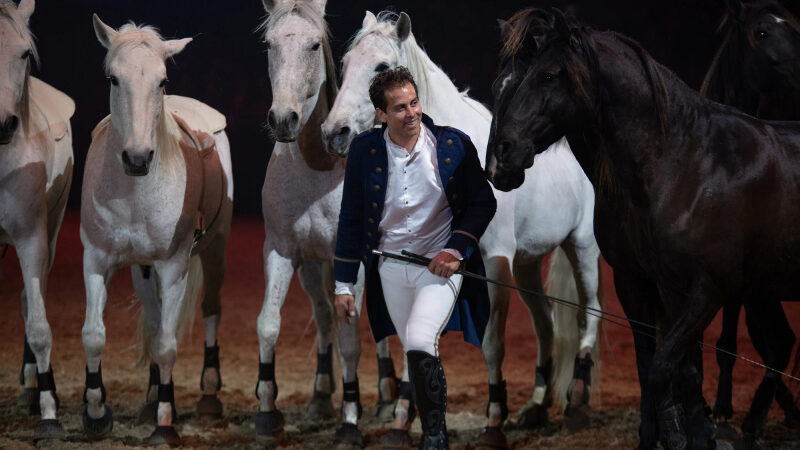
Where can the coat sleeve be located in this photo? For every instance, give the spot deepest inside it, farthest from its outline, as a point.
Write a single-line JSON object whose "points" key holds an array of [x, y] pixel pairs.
{"points": [[481, 204], [348, 235]]}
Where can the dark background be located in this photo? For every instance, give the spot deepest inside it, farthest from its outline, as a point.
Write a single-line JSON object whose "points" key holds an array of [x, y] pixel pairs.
{"points": [[226, 64]]}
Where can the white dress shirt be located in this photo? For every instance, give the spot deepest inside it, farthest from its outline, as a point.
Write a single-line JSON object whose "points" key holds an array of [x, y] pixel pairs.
{"points": [[416, 215]]}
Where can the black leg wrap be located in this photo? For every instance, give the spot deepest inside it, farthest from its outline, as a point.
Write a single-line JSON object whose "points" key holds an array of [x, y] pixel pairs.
{"points": [[583, 369], [155, 376], [351, 393], [325, 366], [166, 393], [27, 358], [211, 360], [543, 374], [497, 394], [266, 372], [386, 368], [430, 387], [46, 382], [94, 380], [406, 392]]}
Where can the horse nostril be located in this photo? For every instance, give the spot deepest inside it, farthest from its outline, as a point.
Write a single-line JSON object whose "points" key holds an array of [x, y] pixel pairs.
{"points": [[293, 118], [125, 158], [13, 121], [271, 119], [150, 156], [344, 131]]}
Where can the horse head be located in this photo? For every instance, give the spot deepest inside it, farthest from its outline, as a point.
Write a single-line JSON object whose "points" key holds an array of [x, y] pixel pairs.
{"points": [[772, 56], [16, 52], [543, 87], [300, 62], [137, 73], [378, 46]]}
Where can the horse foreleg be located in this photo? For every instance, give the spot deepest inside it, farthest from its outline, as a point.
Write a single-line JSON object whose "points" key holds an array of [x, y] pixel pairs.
{"points": [[493, 345], [97, 273], [529, 276], [313, 276], [723, 407], [278, 274], [349, 354], [173, 276], [388, 383], [213, 260]]}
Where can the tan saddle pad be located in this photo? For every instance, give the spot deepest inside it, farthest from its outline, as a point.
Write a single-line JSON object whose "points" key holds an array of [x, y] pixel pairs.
{"points": [[56, 106], [196, 114]]}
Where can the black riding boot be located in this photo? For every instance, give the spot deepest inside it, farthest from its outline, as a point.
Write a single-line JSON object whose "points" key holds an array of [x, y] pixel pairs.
{"points": [[430, 387]]}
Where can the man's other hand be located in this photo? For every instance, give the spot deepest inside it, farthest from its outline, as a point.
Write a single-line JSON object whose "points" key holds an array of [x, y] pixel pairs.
{"points": [[444, 264], [345, 305]]}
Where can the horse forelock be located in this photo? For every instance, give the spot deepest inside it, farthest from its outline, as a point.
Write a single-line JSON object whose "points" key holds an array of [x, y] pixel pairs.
{"points": [[524, 26], [8, 11], [132, 35], [309, 12]]}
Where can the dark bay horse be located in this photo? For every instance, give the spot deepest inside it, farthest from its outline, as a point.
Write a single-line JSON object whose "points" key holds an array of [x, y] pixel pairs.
{"points": [[757, 70], [697, 202]]}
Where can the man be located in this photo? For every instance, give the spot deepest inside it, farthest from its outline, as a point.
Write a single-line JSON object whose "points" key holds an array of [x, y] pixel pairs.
{"points": [[412, 185]]}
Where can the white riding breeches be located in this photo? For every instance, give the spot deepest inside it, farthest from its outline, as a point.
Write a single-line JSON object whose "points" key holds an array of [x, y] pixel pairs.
{"points": [[419, 303]]}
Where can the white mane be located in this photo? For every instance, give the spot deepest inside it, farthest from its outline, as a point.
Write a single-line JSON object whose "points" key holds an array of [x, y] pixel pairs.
{"points": [[422, 68]]}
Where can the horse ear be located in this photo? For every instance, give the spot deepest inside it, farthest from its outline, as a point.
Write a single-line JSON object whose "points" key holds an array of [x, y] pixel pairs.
{"points": [[269, 5], [319, 5], [561, 24], [105, 34], [403, 27], [175, 46], [25, 8], [369, 20], [505, 27]]}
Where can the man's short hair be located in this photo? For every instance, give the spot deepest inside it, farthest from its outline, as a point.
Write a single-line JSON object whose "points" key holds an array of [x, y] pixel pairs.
{"points": [[386, 80]]}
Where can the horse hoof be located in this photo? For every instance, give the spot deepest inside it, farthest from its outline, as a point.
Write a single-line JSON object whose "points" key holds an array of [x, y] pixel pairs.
{"points": [[48, 429], [147, 414], [28, 401], [209, 408], [492, 438], [396, 440], [385, 412], [269, 427], [532, 415], [576, 418], [726, 432], [722, 445], [348, 436], [320, 407], [164, 435], [748, 441], [97, 429]]}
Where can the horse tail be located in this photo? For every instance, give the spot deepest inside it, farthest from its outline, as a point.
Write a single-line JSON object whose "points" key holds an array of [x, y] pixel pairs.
{"points": [[567, 320], [560, 283], [194, 285]]}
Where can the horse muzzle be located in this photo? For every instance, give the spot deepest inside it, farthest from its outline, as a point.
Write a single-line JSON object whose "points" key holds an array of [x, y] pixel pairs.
{"points": [[285, 126], [137, 164], [7, 129], [337, 143]]}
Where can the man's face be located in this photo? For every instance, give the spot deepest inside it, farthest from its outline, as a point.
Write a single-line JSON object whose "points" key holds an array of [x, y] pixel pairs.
{"points": [[403, 112]]}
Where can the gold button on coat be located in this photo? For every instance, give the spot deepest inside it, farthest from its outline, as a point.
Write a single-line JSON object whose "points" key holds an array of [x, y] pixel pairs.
{"points": [[378, 170], [449, 142], [372, 152], [447, 160], [451, 179], [371, 220], [374, 205], [377, 188]]}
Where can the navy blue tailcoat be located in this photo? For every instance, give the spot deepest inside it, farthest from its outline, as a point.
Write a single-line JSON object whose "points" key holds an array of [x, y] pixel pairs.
{"points": [[471, 201]]}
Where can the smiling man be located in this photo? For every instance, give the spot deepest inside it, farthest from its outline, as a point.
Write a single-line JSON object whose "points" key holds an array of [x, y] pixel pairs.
{"points": [[412, 185]]}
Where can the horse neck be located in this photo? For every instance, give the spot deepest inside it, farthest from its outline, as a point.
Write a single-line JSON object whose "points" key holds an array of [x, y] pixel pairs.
{"points": [[782, 104], [726, 81], [309, 140]]}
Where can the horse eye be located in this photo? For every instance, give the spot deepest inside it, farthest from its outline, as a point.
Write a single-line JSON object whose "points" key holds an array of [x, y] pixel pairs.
{"points": [[114, 81], [163, 83], [546, 76], [762, 34], [267, 44], [27, 54], [315, 47], [381, 67]]}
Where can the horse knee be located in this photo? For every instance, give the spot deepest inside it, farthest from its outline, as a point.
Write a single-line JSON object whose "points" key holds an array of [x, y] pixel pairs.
{"points": [[39, 336], [268, 328], [166, 352]]}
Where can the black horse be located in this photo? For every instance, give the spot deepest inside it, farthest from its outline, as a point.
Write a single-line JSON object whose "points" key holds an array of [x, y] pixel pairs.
{"points": [[697, 202], [757, 70]]}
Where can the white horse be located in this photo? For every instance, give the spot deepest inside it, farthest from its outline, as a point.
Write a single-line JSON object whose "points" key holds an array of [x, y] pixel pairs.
{"points": [[35, 177], [519, 236], [157, 195], [301, 199]]}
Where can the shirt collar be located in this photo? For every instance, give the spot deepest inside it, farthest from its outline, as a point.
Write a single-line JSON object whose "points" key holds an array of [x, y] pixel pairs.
{"points": [[398, 151]]}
